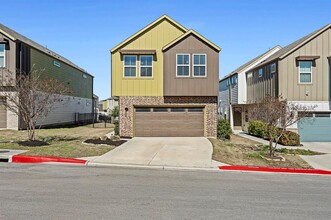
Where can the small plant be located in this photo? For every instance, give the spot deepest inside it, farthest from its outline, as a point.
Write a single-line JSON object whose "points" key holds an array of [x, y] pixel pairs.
{"points": [[223, 129], [116, 129], [257, 128]]}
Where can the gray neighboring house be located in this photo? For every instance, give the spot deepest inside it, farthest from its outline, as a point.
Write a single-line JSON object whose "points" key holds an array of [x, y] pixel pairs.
{"points": [[301, 73], [232, 91]]}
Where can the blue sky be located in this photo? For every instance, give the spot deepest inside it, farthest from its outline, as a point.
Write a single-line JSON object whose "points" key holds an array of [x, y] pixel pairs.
{"points": [[84, 31]]}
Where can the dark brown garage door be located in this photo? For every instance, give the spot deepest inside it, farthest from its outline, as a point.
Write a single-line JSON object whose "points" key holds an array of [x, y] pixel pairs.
{"points": [[169, 122], [3, 114]]}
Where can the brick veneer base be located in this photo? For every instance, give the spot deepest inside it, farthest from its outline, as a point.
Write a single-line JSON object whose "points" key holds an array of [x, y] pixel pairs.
{"points": [[127, 104]]}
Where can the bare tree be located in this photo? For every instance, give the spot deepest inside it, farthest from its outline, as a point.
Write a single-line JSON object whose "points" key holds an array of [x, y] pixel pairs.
{"points": [[278, 114], [31, 97]]}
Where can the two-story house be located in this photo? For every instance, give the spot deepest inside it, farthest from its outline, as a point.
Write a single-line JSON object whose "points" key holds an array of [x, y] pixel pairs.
{"points": [[20, 55], [300, 73], [233, 92], [166, 79]]}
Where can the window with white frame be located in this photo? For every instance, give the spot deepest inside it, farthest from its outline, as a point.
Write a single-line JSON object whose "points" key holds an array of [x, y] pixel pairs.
{"points": [[146, 66], [199, 64], [130, 65], [2, 55], [305, 72], [183, 65]]}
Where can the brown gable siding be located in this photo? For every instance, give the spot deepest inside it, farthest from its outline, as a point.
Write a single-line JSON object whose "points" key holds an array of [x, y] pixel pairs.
{"points": [[259, 87], [191, 86]]}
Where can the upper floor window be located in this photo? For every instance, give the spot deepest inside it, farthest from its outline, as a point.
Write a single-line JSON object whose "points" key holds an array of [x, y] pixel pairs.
{"points": [[130, 66], [183, 65], [305, 72], [260, 72], [199, 64], [146, 66], [2, 55], [273, 68]]}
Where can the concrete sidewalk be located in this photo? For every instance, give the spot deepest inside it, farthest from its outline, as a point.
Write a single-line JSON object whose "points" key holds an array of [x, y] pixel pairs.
{"points": [[194, 152], [322, 162]]}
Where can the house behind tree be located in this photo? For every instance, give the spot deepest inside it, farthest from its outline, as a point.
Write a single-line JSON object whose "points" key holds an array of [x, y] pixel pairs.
{"points": [[20, 55]]}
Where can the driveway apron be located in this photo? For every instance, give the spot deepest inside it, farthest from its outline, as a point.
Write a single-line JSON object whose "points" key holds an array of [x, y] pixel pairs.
{"points": [[161, 151]]}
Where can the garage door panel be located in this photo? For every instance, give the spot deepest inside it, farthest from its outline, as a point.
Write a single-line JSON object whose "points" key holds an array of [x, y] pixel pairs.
{"points": [[317, 129], [169, 124]]}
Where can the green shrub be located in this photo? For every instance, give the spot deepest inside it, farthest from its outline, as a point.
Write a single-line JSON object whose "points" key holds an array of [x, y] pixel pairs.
{"points": [[223, 129], [257, 128], [116, 129], [289, 138]]}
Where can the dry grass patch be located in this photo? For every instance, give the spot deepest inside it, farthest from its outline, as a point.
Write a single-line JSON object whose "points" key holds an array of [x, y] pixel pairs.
{"points": [[244, 152], [63, 142]]}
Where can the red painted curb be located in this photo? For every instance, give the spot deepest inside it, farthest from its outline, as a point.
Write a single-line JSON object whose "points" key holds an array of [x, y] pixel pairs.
{"points": [[41, 159], [275, 170]]}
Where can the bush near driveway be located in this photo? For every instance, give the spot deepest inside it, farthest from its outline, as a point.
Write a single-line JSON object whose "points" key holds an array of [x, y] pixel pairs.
{"points": [[223, 129], [259, 129]]}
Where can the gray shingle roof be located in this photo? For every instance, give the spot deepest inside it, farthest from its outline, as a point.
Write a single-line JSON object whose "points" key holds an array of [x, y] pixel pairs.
{"points": [[37, 46], [240, 68]]}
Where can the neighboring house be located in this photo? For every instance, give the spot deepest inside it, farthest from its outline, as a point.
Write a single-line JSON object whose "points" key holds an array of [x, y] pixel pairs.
{"points": [[107, 105], [166, 79], [300, 72], [20, 55], [95, 104], [232, 91]]}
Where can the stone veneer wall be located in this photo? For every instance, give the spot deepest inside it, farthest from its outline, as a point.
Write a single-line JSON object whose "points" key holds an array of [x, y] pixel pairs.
{"points": [[129, 102]]}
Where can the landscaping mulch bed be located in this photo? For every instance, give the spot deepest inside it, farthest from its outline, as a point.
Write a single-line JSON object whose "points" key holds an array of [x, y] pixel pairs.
{"points": [[35, 143], [107, 142]]}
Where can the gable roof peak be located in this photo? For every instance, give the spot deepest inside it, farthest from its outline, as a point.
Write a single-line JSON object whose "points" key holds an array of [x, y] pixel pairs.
{"points": [[163, 17]]}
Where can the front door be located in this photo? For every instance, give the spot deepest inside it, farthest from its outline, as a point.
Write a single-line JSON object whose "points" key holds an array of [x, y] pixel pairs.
{"points": [[237, 118]]}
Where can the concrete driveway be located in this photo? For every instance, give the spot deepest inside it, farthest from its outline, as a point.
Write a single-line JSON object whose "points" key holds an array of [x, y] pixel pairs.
{"points": [[322, 162], [161, 151]]}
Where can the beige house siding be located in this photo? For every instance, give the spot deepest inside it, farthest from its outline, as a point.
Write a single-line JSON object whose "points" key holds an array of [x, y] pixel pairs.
{"points": [[191, 86], [288, 71], [8, 72], [11, 118]]}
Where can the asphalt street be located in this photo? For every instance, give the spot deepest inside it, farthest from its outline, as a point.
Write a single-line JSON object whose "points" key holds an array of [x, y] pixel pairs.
{"points": [[78, 192]]}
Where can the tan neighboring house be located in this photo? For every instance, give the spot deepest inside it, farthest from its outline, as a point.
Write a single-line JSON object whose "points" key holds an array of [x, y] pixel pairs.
{"points": [[107, 105], [166, 79], [300, 72], [19, 55]]}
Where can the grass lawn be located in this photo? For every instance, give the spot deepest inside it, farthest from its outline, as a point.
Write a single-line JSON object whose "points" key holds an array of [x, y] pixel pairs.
{"points": [[64, 142], [244, 152]]}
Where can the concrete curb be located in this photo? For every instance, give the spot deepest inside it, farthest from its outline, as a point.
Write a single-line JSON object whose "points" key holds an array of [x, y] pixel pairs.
{"points": [[42, 159], [275, 170], [211, 169]]}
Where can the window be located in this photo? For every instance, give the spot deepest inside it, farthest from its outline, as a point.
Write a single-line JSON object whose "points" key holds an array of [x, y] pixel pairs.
{"points": [[199, 65], [249, 75], [146, 66], [2, 55], [160, 109], [143, 110], [260, 72], [195, 109], [234, 80], [130, 66], [273, 68], [177, 109], [305, 72], [183, 65]]}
